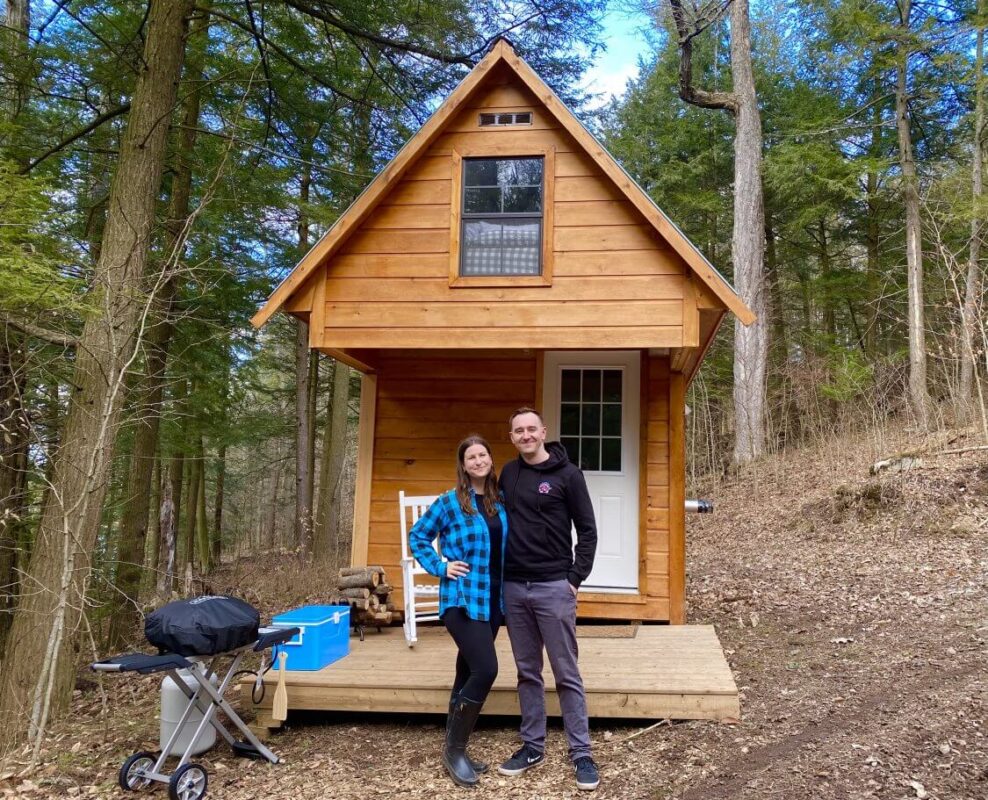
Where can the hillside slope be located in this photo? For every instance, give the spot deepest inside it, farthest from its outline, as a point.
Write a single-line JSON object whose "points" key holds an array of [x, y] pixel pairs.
{"points": [[853, 610]]}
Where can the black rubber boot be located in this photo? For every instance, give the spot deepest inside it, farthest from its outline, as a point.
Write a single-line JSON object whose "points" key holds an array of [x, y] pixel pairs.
{"points": [[462, 719], [479, 767]]}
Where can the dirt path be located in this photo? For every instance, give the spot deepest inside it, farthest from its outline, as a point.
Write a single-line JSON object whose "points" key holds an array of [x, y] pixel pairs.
{"points": [[853, 611]]}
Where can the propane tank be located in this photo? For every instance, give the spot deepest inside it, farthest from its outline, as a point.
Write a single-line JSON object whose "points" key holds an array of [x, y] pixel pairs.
{"points": [[173, 705]]}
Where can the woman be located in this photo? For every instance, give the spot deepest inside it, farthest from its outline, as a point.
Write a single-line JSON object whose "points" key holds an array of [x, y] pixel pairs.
{"points": [[472, 528]]}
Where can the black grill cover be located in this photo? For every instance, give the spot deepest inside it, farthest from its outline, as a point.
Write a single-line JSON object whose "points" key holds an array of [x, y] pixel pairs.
{"points": [[202, 626]]}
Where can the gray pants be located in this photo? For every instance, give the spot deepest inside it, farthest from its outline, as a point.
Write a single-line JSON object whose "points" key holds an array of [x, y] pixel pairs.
{"points": [[540, 614]]}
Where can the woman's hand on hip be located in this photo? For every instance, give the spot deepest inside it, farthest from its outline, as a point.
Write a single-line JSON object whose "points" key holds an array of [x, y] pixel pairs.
{"points": [[456, 569]]}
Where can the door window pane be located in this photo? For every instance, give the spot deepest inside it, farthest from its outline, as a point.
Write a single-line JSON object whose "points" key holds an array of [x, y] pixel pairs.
{"points": [[611, 419], [590, 453], [591, 385], [569, 420], [610, 455], [572, 446], [590, 420], [571, 386], [612, 385], [590, 417]]}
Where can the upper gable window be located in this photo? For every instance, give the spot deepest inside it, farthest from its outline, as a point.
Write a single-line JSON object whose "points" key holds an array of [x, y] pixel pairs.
{"points": [[510, 118], [502, 216]]}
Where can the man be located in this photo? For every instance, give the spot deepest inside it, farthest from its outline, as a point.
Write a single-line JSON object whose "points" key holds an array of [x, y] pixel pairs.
{"points": [[545, 496]]}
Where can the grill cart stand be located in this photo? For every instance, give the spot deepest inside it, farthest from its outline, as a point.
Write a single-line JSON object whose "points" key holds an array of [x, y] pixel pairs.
{"points": [[189, 780]]}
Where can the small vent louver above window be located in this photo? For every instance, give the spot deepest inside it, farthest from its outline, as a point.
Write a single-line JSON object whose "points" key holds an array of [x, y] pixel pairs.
{"points": [[510, 118]]}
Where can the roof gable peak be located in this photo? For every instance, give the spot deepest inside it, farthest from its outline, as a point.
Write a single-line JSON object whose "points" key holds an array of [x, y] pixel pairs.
{"points": [[500, 52]]}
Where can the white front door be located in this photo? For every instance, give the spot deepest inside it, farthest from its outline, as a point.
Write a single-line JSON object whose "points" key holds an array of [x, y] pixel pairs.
{"points": [[591, 404]]}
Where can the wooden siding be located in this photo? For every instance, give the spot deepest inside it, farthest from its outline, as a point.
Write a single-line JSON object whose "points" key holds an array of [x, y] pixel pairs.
{"points": [[427, 401], [615, 283]]}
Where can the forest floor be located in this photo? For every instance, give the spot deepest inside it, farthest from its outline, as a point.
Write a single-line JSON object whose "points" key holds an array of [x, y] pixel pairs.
{"points": [[853, 611]]}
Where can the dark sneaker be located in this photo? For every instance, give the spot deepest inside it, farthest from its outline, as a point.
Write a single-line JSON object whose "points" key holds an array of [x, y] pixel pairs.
{"points": [[587, 777], [522, 761]]}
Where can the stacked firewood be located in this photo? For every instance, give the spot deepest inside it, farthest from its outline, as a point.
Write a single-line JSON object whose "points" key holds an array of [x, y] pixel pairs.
{"points": [[368, 593]]}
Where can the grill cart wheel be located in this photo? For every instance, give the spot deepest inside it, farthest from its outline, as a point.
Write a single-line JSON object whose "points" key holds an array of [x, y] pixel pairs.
{"points": [[133, 770], [188, 782]]}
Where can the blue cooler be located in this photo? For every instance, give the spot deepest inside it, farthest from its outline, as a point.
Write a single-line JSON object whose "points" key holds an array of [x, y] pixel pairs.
{"points": [[324, 636]]}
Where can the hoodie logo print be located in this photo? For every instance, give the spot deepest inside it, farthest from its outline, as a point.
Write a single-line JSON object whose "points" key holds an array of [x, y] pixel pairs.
{"points": [[544, 487]]}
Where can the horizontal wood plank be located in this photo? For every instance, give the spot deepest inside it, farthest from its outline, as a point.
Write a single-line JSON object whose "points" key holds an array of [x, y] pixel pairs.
{"points": [[513, 366], [500, 315], [418, 193], [432, 240], [597, 213], [607, 238], [511, 95], [428, 168], [389, 265], [464, 391], [632, 338], [517, 141], [659, 287], [584, 188], [576, 165], [629, 262], [409, 217], [428, 410]]}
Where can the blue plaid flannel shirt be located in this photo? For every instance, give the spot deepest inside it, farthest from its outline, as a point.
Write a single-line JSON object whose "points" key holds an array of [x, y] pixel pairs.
{"points": [[462, 537]]}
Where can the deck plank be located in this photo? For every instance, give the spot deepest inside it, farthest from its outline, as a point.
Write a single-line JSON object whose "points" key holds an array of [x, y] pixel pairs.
{"points": [[678, 672]]}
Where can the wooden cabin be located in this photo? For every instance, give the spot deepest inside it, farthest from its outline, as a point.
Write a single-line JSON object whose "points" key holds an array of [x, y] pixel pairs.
{"points": [[502, 259]]}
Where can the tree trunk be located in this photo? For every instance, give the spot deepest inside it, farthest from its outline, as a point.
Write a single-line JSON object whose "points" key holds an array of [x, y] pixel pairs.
{"points": [[873, 273], [13, 473], [133, 528], [187, 551], [16, 44], [272, 515], [970, 312], [303, 435], [13, 420], [304, 417], [36, 677], [217, 538], [333, 455], [918, 397], [826, 273], [780, 331], [205, 549], [166, 522], [152, 543], [748, 237], [748, 248]]}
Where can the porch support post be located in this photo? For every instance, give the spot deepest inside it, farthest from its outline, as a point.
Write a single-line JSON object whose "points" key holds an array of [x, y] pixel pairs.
{"points": [[365, 464], [677, 498]]}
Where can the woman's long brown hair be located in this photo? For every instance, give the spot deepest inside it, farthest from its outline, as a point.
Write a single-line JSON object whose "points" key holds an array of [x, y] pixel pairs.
{"points": [[464, 489]]}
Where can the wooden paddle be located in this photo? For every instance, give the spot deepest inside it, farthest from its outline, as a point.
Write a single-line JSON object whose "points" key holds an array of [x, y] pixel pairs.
{"points": [[279, 709]]}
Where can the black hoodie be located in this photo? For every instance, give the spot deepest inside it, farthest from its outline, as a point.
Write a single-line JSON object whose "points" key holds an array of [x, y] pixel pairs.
{"points": [[544, 501]]}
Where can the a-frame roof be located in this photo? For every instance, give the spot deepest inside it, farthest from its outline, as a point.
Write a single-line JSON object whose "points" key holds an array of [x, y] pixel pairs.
{"points": [[501, 52]]}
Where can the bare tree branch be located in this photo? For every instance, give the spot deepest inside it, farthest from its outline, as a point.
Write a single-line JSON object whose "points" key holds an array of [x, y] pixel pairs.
{"points": [[334, 21], [689, 30], [84, 131], [61, 339]]}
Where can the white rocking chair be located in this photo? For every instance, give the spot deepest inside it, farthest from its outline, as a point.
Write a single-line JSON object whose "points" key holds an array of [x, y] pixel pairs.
{"points": [[421, 597]]}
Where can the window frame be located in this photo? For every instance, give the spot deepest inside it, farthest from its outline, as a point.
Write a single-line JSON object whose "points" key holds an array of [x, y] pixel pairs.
{"points": [[548, 156]]}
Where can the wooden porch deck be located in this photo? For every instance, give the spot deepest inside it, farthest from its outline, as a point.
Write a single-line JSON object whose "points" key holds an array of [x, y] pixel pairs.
{"points": [[648, 672]]}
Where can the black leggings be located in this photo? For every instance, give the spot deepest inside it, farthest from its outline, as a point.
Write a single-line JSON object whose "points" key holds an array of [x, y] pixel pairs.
{"points": [[476, 661]]}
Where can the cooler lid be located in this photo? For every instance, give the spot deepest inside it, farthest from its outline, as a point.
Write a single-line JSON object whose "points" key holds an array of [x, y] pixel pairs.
{"points": [[310, 615]]}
